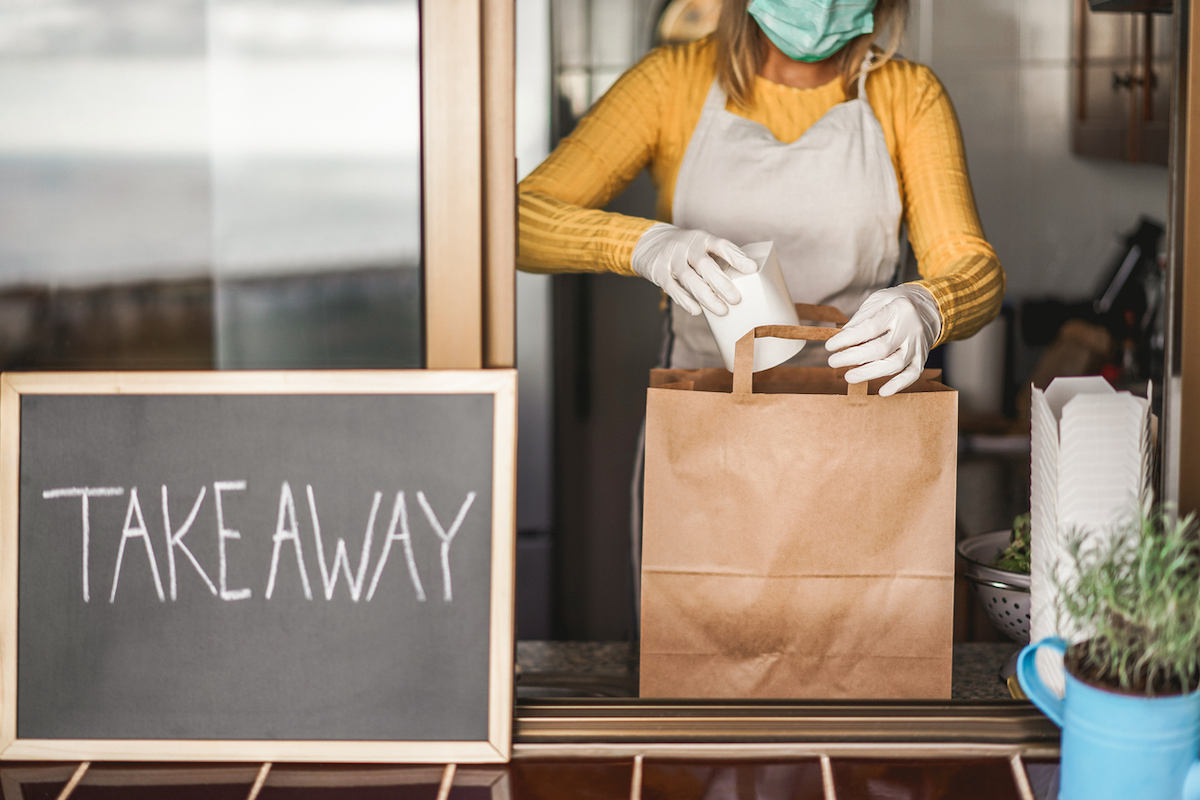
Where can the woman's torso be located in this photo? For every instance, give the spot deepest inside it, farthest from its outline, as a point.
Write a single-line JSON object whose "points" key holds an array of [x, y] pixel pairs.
{"points": [[787, 112], [829, 200]]}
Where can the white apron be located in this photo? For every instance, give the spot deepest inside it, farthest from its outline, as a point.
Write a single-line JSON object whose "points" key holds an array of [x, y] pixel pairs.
{"points": [[829, 201]]}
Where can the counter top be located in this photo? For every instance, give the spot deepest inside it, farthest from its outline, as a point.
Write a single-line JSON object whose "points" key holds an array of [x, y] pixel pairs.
{"points": [[609, 669]]}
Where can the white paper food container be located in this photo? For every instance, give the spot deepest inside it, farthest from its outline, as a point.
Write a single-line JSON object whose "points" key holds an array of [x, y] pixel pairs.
{"points": [[765, 301], [1091, 468]]}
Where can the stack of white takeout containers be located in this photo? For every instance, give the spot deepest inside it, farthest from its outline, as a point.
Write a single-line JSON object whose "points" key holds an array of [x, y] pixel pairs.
{"points": [[1091, 471]]}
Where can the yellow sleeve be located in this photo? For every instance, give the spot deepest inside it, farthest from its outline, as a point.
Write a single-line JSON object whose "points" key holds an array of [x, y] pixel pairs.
{"points": [[959, 268], [560, 226]]}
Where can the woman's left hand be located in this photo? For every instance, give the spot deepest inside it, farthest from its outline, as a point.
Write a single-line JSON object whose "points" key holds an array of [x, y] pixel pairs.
{"points": [[890, 334]]}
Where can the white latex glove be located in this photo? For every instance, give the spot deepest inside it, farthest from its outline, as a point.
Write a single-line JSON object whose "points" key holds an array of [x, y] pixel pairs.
{"points": [[681, 263], [890, 334]]}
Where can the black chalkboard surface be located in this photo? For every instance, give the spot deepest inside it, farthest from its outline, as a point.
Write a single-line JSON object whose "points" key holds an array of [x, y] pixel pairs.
{"points": [[257, 565]]}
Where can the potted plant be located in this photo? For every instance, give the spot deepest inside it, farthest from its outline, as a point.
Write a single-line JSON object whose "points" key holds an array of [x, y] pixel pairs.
{"points": [[1131, 712]]}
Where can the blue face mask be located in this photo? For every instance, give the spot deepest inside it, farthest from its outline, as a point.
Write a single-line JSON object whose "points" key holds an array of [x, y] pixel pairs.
{"points": [[812, 30]]}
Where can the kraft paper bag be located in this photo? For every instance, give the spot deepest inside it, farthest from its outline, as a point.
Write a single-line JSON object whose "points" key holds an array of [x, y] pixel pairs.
{"points": [[798, 538]]}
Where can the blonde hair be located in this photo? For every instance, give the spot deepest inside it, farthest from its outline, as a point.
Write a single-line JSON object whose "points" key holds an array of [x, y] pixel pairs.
{"points": [[740, 48]]}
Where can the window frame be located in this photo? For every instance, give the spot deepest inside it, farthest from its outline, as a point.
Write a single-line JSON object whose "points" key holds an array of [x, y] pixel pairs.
{"points": [[469, 182]]}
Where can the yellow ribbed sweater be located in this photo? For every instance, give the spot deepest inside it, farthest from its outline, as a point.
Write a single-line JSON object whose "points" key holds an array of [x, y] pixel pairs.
{"points": [[646, 120]]}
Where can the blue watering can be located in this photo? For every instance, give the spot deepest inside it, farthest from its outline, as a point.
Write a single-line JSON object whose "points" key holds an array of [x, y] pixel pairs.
{"points": [[1118, 746]]}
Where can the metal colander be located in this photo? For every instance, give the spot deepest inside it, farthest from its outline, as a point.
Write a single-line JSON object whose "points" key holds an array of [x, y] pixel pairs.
{"points": [[1004, 594]]}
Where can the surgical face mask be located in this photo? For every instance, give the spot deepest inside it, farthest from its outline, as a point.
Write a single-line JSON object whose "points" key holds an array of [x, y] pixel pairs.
{"points": [[812, 30]]}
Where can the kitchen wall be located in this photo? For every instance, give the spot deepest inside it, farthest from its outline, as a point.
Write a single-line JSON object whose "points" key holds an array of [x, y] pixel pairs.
{"points": [[1054, 219]]}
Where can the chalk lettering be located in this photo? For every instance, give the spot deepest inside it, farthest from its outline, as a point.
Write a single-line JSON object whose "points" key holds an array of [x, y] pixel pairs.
{"points": [[287, 506], [446, 538], [340, 556], [223, 535], [175, 540], [84, 493], [399, 514], [140, 532]]}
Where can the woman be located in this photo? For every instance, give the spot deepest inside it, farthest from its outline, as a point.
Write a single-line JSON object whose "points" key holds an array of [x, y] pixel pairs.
{"points": [[785, 125]]}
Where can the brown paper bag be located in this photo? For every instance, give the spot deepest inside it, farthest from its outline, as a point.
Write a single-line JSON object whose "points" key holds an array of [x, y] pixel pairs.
{"points": [[798, 540]]}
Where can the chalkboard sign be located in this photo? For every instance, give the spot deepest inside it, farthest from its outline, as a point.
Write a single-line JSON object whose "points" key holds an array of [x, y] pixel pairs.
{"points": [[257, 566]]}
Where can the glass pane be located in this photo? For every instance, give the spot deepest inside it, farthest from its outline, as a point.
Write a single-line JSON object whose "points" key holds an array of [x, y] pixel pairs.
{"points": [[190, 184], [316, 182], [104, 185]]}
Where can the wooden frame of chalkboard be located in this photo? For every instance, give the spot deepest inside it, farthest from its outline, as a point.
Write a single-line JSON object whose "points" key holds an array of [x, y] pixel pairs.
{"points": [[498, 566]]}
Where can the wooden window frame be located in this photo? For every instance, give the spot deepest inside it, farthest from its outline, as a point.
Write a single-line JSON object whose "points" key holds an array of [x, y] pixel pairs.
{"points": [[468, 76], [1181, 400]]}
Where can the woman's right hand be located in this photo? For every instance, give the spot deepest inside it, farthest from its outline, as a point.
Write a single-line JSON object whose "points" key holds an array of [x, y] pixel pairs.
{"points": [[681, 263]]}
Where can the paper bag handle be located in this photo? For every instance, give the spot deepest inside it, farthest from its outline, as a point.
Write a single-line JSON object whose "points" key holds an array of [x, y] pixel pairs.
{"points": [[821, 314], [743, 357]]}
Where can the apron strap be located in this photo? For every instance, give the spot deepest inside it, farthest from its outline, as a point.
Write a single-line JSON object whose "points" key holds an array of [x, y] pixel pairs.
{"points": [[716, 99]]}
